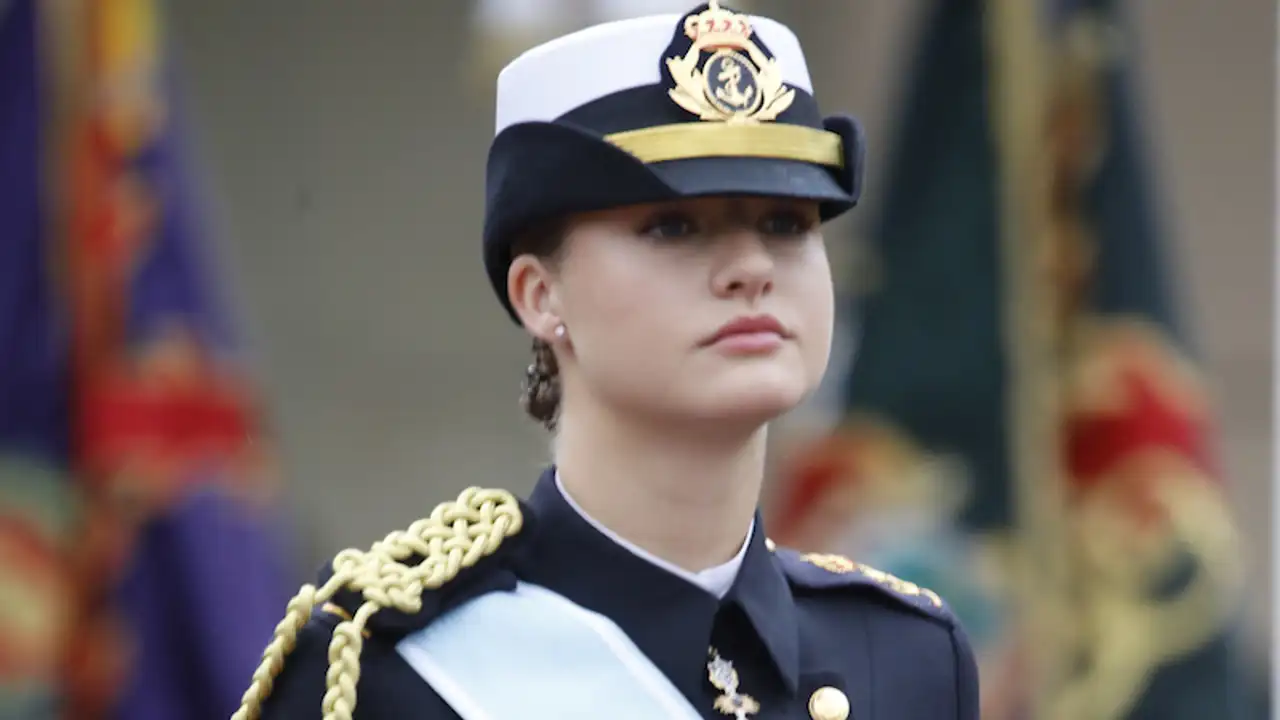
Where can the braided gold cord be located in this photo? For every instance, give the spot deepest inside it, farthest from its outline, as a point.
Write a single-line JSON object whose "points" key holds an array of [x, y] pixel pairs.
{"points": [[455, 537], [344, 664]]}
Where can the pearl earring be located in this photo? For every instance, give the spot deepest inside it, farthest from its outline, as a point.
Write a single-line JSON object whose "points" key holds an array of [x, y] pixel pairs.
{"points": [[560, 330]]}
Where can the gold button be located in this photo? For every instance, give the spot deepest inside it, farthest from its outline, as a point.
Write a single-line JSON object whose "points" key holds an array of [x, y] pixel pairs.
{"points": [[828, 703]]}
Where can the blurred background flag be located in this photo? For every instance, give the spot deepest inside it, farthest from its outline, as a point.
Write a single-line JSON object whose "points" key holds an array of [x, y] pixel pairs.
{"points": [[1025, 429], [37, 503], [142, 568]]}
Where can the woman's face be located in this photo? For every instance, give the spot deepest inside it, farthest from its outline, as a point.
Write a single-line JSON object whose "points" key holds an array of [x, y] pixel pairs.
{"points": [[650, 294]]}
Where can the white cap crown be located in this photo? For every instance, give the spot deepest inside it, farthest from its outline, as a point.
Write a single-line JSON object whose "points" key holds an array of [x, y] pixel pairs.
{"points": [[612, 57]]}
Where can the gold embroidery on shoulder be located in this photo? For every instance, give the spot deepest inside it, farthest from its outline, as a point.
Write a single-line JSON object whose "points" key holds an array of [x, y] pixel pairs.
{"points": [[838, 564], [842, 565]]}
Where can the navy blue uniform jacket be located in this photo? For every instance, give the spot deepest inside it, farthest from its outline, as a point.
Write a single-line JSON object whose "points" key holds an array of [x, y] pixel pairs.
{"points": [[790, 624]]}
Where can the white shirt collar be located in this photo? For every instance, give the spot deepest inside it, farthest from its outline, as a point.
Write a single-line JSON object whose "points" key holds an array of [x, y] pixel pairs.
{"points": [[715, 580]]}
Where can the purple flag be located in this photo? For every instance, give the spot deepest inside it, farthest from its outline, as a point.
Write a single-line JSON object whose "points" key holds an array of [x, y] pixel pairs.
{"points": [[140, 543]]}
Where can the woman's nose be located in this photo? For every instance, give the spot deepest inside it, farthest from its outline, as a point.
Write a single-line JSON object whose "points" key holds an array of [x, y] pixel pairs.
{"points": [[747, 269]]}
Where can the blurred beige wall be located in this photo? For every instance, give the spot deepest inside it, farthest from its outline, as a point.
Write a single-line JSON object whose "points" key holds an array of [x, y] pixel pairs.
{"points": [[346, 156]]}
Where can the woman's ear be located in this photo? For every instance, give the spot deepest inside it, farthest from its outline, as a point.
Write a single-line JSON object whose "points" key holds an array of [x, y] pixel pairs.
{"points": [[531, 288]]}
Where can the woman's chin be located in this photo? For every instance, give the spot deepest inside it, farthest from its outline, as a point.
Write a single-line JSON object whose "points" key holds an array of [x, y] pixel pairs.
{"points": [[751, 402]]}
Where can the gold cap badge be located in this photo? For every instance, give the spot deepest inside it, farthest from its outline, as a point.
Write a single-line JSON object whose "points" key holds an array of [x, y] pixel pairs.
{"points": [[738, 83], [828, 703], [721, 72]]}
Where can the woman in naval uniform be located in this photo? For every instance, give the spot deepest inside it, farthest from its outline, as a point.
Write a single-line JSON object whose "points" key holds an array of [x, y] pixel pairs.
{"points": [[655, 194]]}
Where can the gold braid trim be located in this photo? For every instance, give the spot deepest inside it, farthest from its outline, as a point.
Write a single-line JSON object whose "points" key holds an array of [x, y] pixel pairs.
{"points": [[456, 536], [842, 565]]}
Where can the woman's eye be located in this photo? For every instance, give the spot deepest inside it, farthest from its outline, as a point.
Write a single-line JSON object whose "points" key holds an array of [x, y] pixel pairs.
{"points": [[786, 223], [670, 227]]}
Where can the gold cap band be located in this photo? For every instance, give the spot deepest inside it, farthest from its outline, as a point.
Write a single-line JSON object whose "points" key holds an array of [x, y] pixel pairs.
{"points": [[684, 141]]}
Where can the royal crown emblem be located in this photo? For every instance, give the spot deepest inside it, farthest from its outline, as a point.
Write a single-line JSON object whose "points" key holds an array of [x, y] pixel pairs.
{"points": [[739, 82]]}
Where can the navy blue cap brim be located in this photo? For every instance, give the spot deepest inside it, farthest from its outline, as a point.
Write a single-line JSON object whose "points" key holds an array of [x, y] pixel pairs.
{"points": [[701, 177]]}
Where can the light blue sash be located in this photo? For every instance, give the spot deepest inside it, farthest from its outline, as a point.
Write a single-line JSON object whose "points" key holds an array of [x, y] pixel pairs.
{"points": [[534, 655]]}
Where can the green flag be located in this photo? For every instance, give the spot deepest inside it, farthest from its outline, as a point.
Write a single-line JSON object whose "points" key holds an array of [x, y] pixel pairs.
{"points": [[1114, 493]]}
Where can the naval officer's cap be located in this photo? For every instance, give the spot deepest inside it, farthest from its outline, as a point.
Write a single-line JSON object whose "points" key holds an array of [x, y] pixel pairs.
{"points": [[659, 108]]}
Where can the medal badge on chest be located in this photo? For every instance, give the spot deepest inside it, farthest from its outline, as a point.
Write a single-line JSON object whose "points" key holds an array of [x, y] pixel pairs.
{"points": [[725, 679]]}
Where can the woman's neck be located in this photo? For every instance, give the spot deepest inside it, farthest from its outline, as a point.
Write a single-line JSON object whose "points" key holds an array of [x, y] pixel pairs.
{"points": [[682, 496]]}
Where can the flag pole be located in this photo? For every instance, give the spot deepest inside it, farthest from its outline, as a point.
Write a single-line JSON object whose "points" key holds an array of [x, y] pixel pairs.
{"points": [[1018, 61]]}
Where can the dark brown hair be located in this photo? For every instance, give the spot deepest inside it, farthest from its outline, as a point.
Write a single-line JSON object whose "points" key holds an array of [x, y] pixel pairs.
{"points": [[540, 396]]}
